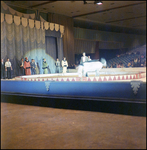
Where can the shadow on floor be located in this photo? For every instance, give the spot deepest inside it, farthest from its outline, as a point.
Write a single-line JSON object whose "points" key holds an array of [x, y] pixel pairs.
{"points": [[135, 109]]}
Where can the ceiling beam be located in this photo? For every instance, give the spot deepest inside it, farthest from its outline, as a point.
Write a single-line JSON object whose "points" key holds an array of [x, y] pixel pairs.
{"points": [[42, 4], [124, 19], [90, 13], [140, 25]]}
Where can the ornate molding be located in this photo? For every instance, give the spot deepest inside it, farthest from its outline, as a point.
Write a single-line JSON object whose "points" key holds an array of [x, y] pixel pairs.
{"points": [[135, 85], [47, 84]]}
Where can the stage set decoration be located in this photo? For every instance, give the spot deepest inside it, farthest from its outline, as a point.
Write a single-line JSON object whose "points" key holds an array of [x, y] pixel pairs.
{"points": [[23, 36]]}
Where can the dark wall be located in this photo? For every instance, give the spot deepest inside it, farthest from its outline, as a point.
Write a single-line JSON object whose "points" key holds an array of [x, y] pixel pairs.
{"points": [[108, 54], [107, 28]]}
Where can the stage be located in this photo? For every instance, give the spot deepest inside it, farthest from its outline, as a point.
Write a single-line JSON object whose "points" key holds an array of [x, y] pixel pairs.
{"points": [[118, 83], [123, 86]]}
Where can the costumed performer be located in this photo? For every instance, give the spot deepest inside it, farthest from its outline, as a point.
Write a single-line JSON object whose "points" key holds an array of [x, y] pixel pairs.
{"points": [[45, 67], [64, 65], [27, 66]]}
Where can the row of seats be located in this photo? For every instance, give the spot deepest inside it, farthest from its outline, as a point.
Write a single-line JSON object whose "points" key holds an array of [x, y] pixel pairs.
{"points": [[128, 56]]}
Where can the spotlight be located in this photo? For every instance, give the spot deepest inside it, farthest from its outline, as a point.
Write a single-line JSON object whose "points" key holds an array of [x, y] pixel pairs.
{"points": [[98, 2]]}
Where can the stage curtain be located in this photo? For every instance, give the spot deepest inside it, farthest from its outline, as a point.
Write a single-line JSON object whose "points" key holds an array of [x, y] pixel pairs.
{"points": [[68, 38], [60, 48], [54, 45], [18, 41], [86, 46]]}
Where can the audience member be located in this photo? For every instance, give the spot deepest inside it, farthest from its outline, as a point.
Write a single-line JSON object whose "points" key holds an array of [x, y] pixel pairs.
{"points": [[122, 65], [145, 63], [135, 62], [111, 66], [114, 65], [118, 65], [138, 62], [142, 61], [129, 64]]}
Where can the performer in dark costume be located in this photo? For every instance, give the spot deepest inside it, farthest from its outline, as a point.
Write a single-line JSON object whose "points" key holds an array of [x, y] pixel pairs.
{"points": [[22, 70], [57, 66], [2, 69], [33, 67]]}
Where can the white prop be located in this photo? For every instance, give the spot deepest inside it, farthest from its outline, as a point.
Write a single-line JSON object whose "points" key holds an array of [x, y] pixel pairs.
{"points": [[91, 66]]}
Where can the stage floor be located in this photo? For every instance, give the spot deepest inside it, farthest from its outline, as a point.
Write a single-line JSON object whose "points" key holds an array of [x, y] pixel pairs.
{"points": [[141, 79], [120, 74]]}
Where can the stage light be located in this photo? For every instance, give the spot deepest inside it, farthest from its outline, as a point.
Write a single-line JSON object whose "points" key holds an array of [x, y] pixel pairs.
{"points": [[98, 2]]}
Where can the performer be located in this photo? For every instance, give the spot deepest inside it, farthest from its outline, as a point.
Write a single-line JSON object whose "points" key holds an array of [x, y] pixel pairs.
{"points": [[2, 69], [84, 58], [8, 68], [27, 66], [37, 69], [22, 70], [57, 66], [89, 59], [33, 67], [45, 67], [64, 65]]}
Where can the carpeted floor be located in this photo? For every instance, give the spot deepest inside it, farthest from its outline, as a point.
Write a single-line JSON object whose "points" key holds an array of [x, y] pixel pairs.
{"points": [[34, 127]]}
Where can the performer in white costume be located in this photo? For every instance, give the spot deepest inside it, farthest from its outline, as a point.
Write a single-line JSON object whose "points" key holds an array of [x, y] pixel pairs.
{"points": [[84, 58], [64, 65]]}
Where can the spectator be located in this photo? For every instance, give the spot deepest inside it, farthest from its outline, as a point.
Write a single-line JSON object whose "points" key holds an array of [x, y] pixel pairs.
{"points": [[144, 63], [111, 66], [138, 62], [114, 65], [141, 61], [135, 62], [118, 65], [129, 64], [122, 65]]}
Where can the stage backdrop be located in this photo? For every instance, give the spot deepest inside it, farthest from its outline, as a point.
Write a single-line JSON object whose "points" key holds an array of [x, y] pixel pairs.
{"points": [[20, 39]]}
